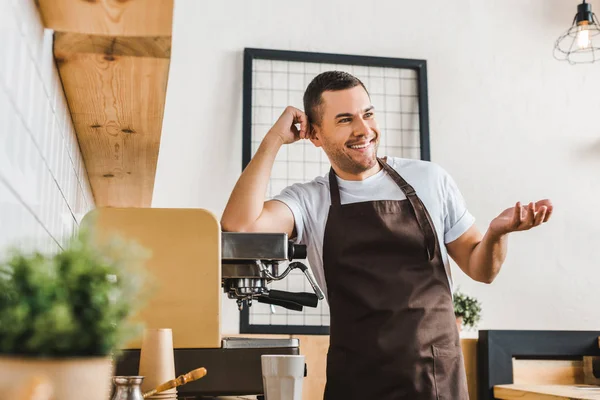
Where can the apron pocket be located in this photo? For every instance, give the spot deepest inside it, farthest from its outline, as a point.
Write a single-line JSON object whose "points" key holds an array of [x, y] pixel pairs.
{"points": [[448, 371]]}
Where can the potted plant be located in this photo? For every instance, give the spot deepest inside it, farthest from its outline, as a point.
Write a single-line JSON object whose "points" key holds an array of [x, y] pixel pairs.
{"points": [[467, 310], [63, 316]]}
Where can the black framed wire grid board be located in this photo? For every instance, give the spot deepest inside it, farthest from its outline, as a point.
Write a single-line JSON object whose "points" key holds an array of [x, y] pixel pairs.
{"points": [[275, 79]]}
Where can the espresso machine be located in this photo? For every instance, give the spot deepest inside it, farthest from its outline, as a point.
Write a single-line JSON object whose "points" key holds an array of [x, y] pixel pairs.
{"points": [[250, 261], [192, 264]]}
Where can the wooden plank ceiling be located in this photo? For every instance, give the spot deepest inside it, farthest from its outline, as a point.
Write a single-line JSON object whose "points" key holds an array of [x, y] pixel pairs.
{"points": [[113, 58]]}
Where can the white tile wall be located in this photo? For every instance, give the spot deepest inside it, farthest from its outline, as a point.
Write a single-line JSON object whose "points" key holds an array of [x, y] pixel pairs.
{"points": [[44, 189]]}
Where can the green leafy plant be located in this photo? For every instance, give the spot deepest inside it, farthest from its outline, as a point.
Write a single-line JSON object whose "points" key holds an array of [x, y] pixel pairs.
{"points": [[78, 302], [468, 308]]}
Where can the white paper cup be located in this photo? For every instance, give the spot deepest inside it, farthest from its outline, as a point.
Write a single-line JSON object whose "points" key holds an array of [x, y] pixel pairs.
{"points": [[283, 376]]}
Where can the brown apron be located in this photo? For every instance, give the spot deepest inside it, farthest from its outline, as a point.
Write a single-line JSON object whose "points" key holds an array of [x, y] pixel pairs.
{"points": [[393, 333]]}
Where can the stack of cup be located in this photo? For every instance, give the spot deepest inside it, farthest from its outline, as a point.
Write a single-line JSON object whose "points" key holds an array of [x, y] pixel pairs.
{"points": [[157, 363]]}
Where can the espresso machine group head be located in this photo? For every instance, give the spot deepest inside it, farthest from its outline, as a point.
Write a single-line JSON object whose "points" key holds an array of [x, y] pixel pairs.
{"points": [[250, 262]]}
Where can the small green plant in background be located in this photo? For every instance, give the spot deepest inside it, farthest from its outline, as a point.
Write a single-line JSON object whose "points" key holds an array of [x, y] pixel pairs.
{"points": [[79, 302], [468, 308]]}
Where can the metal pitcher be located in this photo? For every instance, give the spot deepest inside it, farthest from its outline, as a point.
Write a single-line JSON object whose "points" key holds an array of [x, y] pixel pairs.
{"points": [[128, 388]]}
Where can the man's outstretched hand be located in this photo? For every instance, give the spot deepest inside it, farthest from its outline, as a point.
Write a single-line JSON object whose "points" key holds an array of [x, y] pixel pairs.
{"points": [[522, 218]]}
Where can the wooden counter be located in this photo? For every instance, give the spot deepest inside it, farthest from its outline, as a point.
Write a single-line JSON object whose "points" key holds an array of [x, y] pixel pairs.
{"points": [[546, 392]]}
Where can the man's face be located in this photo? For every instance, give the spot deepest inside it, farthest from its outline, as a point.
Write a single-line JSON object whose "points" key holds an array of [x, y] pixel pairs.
{"points": [[348, 131]]}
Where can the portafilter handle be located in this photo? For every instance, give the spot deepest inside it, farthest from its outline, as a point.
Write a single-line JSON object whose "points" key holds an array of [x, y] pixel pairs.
{"points": [[281, 303], [295, 265], [303, 299], [312, 282]]}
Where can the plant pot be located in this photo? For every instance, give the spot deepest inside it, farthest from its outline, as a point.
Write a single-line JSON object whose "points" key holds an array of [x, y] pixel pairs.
{"points": [[459, 322], [70, 378]]}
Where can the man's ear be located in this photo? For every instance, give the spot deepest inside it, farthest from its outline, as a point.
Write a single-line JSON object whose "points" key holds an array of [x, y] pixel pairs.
{"points": [[315, 135]]}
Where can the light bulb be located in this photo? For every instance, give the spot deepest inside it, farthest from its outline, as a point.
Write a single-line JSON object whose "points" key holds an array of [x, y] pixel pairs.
{"points": [[583, 37]]}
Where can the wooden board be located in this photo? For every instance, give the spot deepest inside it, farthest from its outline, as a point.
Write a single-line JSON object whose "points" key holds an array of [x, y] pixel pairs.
{"points": [[109, 17], [116, 89], [469, 349], [314, 348], [185, 268], [544, 392], [548, 372]]}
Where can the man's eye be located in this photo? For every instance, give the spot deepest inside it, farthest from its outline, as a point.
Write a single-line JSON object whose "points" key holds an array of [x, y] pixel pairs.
{"points": [[344, 120], [369, 115]]}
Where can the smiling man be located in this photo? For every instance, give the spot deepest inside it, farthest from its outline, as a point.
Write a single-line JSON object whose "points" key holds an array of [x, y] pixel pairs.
{"points": [[379, 232]]}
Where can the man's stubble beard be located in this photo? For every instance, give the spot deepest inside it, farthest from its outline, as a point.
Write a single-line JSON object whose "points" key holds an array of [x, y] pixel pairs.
{"points": [[347, 164]]}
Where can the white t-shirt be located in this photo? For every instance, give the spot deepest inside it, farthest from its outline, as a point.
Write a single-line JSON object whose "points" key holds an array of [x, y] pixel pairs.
{"points": [[309, 202]]}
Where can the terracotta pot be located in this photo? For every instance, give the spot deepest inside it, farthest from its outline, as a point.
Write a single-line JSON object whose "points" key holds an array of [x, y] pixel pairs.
{"points": [[70, 378], [459, 322]]}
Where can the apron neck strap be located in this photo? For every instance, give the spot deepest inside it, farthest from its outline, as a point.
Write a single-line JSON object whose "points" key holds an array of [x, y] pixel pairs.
{"points": [[408, 190], [334, 189]]}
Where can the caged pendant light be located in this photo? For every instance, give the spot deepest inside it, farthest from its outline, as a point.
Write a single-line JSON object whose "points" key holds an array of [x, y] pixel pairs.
{"points": [[581, 42]]}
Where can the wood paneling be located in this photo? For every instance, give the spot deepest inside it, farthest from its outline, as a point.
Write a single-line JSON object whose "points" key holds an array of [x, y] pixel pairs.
{"points": [[116, 89], [109, 17]]}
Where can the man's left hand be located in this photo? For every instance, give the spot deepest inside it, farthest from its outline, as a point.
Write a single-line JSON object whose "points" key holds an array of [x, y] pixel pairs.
{"points": [[522, 218]]}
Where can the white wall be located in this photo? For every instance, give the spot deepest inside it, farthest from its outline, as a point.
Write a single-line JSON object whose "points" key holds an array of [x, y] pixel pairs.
{"points": [[507, 121], [44, 191]]}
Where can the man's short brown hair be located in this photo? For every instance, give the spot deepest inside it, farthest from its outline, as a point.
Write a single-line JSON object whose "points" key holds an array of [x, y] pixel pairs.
{"points": [[326, 81]]}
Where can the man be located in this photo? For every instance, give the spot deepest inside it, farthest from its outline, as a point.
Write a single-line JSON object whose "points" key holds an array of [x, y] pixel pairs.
{"points": [[379, 232]]}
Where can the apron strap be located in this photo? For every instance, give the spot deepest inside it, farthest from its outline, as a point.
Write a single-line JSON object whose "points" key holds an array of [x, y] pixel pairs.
{"points": [[418, 207], [334, 190]]}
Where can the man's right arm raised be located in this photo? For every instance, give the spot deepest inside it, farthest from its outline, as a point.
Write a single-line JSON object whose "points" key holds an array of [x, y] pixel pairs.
{"points": [[246, 210]]}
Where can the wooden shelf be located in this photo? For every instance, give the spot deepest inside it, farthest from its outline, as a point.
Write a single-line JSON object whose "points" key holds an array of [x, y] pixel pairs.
{"points": [[546, 392], [113, 58], [109, 17]]}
